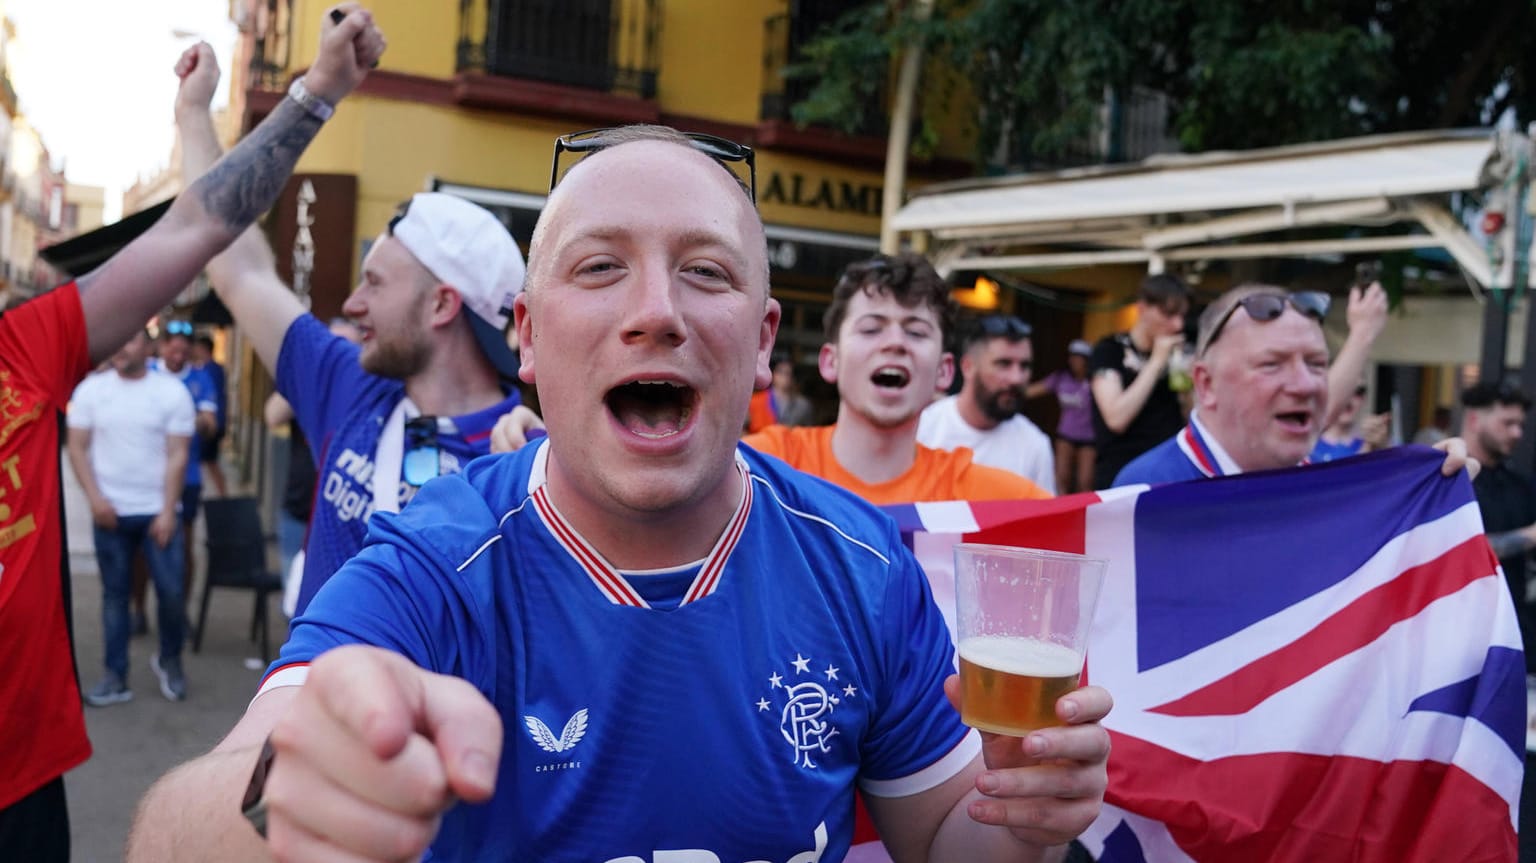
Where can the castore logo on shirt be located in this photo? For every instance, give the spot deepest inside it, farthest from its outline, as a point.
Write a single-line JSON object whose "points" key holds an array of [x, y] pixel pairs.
{"points": [[575, 729]]}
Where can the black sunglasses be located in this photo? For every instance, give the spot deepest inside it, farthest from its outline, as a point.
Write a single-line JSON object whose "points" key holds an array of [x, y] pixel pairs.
{"points": [[716, 148], [421, 462], [1268, 306], [1004, 326]]}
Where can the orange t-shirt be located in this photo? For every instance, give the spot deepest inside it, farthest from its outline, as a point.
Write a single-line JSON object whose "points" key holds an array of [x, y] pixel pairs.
{"points": [[760, 413], [937, 474]]}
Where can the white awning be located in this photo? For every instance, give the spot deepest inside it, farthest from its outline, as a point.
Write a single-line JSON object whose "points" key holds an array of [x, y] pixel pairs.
{"points": [[1192, 206]]}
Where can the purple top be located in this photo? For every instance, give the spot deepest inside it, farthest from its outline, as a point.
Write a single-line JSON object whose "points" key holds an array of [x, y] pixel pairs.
{"points": [[1076, 408]]}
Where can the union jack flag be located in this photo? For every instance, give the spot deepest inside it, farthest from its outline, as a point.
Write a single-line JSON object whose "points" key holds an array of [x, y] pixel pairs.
{"points": [[1319, 664]]}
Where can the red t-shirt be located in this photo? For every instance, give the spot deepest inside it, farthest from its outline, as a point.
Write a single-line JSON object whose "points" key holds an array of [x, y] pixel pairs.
{"points": [[43, 354]]}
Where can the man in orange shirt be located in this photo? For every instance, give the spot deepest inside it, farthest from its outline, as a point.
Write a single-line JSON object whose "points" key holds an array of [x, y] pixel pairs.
{"points": [[885, 352]]}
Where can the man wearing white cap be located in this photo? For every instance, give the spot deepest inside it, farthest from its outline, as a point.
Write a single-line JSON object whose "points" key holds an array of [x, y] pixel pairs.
{"points": [[421, 394]]}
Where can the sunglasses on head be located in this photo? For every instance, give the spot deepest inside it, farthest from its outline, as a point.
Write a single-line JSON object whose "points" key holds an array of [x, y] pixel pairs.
{"points": [[179, 328], [1268, 306], [719, 149], [422, 460], [1004, 326]]}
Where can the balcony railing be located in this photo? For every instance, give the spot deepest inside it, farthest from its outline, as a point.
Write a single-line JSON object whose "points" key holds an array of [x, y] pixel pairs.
{"points": [[604, 45], [272, 24], [783, 35], [1129, 128]]}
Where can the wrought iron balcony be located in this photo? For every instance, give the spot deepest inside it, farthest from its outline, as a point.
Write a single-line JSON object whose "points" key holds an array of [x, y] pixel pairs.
{"points": [[603, 45], [1130, 127], [271, 23], [783, 36]]}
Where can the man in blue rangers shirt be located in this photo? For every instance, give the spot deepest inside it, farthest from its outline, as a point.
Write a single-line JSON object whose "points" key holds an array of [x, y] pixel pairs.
{"points": [[632, 641], [433, 304]]}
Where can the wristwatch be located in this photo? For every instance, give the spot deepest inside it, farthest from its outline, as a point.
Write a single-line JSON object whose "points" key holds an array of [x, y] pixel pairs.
{"points": [[254, 805], [317, 107]]}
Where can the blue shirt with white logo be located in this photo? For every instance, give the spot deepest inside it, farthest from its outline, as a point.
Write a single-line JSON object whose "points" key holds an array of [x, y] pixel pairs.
{"points": [[728, 706], [342, 410]]}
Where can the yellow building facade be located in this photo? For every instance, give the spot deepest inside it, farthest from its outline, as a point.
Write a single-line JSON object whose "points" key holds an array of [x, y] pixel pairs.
{"points": [[471, 95]]}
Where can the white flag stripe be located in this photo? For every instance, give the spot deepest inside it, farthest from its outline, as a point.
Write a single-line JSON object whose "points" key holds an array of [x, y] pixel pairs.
{"points": [[950, 516], [1298, 718], [1112, 641], [1221, 658], [936, 553]]}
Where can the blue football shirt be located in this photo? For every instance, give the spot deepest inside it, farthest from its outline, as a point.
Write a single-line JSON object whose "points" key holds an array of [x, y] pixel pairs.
{"points": [[342, 410], [728, 707]]}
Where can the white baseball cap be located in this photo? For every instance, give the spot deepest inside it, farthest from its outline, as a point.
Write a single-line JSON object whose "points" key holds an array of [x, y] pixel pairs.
{"points": [[1080, 347], [469, 250]]}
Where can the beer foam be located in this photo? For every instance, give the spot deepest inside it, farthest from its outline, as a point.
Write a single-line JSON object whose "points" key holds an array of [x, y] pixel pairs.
{"points": [[1029, 657]]}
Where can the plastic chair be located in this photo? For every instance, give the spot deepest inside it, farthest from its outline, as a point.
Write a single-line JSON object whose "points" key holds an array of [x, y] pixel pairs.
{"points": [[237, 557]]}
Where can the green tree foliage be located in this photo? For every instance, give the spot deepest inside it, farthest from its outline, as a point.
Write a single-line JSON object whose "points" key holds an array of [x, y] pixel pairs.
{"points": [[1238, 74]]}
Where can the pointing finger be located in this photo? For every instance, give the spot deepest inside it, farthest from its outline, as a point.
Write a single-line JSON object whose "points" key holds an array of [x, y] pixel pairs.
{"points": [[467, 731], [362, 689]]}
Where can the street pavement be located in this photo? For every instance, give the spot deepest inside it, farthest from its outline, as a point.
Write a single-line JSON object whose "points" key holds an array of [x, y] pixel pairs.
{"points": [[137, 742]]}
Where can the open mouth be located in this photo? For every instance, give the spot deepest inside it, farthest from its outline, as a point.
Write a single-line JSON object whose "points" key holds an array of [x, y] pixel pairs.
{"points": [[1300, 419], [652, 409], [890, 376]]}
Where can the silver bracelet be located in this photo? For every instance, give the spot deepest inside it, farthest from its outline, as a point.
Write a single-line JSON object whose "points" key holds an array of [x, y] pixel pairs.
{"points": [[317, 107]]}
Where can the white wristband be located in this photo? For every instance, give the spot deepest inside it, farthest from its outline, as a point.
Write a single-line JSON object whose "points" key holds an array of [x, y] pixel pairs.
{"points": [[317, 107]]}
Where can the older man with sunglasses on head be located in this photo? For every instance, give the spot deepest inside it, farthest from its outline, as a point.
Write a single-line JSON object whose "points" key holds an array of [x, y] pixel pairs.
{"points": [[1264, 387], [633, 640]]}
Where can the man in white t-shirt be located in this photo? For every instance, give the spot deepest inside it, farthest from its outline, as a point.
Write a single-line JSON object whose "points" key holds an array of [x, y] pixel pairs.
{"points": [[984, 416], [130, 431]]}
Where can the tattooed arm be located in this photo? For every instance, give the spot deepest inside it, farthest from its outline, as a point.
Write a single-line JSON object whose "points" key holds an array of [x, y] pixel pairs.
{"points": [[245, 274], [138, 281]]}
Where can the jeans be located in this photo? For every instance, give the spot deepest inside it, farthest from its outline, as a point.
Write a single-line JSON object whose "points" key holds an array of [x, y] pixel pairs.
{"points": [[114, 555]]}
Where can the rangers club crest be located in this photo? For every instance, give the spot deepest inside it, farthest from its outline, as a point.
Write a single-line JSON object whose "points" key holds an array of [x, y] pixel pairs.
{"points": [[805, 714]]}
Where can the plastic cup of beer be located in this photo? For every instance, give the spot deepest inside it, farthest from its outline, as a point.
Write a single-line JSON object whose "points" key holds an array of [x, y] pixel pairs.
{"points": [[1022, 618], [1181, 370]]}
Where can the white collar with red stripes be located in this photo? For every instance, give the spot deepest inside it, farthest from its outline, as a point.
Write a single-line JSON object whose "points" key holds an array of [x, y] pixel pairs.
{"points": [[1203, 451], [603, 574]]}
